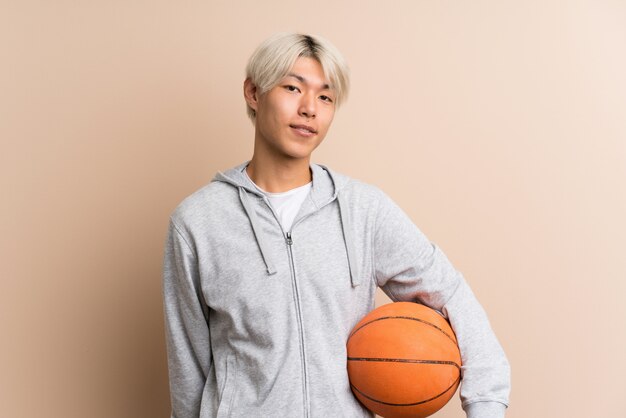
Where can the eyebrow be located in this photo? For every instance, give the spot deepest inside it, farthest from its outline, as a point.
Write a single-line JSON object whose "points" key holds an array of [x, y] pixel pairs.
{"points": [[303, 80]]}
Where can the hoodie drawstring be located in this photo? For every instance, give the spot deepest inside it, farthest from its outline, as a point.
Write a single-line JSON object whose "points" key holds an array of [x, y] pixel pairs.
{"points": [[243, 196], [355, 278], [345, 226]]}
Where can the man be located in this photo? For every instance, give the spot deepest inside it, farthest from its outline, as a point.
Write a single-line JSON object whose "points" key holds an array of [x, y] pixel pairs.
{"points": [[268, 268]]}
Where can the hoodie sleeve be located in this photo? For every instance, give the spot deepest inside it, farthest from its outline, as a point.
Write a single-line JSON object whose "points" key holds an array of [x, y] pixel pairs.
{"points": [[186, 326], [408, 267]]}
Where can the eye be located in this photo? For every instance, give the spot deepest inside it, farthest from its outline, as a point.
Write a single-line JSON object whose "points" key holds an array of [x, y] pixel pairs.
{"points": [[327, 99], [292, 88]]}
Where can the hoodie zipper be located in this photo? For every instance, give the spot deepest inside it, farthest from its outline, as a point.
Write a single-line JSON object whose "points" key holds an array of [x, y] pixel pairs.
{"points": [[299, 311], [289, 242]]}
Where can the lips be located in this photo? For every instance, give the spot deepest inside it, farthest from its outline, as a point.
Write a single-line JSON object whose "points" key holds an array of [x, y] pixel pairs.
{"points": [[304, 127]]}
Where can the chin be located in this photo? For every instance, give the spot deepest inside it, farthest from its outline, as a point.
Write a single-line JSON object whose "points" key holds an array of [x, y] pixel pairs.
{"points": [[299, 152], [298, 156]]}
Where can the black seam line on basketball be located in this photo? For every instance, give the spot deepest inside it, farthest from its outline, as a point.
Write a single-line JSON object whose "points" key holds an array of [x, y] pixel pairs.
{"points": [[403, 317], [401, 360], [407, 404]]}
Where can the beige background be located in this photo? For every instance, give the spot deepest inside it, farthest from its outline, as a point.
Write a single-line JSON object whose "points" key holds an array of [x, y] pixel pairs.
{"points": [[499, 126]]}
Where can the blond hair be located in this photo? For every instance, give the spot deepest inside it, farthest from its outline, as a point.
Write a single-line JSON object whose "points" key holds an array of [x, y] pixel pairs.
{"points": [[275, 56]]}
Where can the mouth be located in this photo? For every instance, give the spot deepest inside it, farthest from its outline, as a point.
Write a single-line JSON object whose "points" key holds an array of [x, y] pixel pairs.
{"points": [[303, 130]]}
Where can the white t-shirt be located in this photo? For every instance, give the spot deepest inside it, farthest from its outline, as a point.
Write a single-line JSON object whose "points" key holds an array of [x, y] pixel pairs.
{"points": [[285, 204]]}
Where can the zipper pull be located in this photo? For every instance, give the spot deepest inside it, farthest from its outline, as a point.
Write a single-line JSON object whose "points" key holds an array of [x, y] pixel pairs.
{"points": [[289, 241]]}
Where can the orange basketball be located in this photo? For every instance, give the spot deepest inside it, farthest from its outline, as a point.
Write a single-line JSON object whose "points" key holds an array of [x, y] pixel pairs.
{"points": [[403, 361]]}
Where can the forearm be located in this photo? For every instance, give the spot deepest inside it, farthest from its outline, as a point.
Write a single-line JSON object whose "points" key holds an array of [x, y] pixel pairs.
{"points": [[485, 369]]}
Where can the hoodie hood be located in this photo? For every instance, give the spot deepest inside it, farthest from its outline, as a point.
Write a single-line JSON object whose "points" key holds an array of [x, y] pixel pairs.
{"points": [[326, 187]]}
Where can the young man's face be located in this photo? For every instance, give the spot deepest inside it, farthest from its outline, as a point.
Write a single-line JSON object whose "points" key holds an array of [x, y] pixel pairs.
{"points": [[301, 98]]}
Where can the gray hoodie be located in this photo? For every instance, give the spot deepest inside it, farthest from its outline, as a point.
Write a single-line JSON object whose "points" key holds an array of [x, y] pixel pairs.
{"points": [[257, 318]]}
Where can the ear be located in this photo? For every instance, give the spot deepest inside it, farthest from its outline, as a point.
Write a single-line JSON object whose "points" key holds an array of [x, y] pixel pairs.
{"points": [[250, 94]]}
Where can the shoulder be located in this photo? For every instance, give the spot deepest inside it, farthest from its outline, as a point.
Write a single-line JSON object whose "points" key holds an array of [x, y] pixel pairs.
{"points": [[363, 194], [202, 204], [356, 191]]}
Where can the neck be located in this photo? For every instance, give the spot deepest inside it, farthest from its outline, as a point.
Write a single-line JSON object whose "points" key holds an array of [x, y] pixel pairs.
{"points": [[279, 176]]}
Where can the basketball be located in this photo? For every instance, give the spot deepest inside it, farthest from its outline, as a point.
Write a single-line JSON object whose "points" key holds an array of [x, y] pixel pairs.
{"points": [[403, 361]]}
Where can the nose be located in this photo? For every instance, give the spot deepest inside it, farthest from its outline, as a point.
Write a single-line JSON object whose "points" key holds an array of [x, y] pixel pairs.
{"points": [[307, 106]]}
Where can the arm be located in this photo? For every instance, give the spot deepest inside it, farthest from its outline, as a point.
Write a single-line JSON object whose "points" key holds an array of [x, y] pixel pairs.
{"points": [[408, 267], [186, 326]]}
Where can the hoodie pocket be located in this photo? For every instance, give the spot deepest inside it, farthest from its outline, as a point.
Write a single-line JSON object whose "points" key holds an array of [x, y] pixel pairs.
{"points": [[205, 404], [226, 399]]}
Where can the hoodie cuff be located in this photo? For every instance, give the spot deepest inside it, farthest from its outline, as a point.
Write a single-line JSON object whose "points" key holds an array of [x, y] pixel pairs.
{"points": [[483, 409]]}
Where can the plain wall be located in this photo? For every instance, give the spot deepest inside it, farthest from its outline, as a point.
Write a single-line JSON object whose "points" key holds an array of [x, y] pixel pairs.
{"points": [[498, 126]]}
